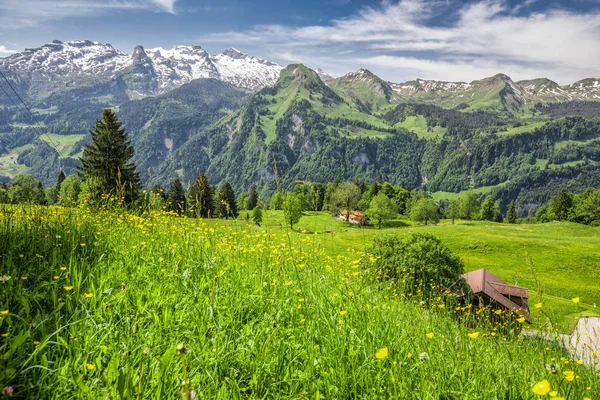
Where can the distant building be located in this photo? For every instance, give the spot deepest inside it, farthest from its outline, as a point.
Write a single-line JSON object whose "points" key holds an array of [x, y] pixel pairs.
{"points": [[489, 290], [356, 217]]}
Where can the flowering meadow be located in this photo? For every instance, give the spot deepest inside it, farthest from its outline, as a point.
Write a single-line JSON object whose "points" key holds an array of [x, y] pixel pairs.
{"points": [[114, 305]]}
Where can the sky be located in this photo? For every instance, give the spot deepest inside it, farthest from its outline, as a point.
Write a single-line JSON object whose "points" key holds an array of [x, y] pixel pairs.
{"points": [[399, 40]]}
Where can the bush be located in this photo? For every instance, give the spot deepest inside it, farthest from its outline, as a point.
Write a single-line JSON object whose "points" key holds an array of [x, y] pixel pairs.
{"points": [[420, 264]]}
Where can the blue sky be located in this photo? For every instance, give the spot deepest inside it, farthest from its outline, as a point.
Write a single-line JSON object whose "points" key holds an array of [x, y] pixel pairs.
{"points": [[397, 39]]}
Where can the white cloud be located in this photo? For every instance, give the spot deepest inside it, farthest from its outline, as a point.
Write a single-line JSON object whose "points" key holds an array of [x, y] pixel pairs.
{"points": [[482, 36], [5, 51], [15, 14]]}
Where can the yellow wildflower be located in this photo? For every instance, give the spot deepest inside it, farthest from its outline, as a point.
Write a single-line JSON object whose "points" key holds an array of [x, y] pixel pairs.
{"points": [[343, 312], [90, 366], [538, 305], [541, 388], [473, 335], [67, 288], [63, 268], [579, 362], [575, 300], [382, 353], [430, 335], [521, 320], [569, 375], [4, 312], [88, 295]]}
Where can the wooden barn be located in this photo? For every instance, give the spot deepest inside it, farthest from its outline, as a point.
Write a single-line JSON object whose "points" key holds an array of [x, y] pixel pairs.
{"points": [[492, 291]]}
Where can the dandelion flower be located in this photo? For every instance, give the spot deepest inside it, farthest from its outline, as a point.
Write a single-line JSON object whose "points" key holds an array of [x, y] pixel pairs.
{"points": [[4, 312], [498, 312], [56, 277], [67, 288], [82, 244], [88, 295], [521, 320], [541, 388], [90, 366], [575, 300], [4, 335], [35, 342], [579, 362], [430, 335], [382, 353], [538, 305], [63, 268], [473, 335]]}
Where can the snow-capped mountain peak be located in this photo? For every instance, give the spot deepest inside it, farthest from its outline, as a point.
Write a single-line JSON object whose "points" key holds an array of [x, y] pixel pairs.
{"points": [[168, 68]]}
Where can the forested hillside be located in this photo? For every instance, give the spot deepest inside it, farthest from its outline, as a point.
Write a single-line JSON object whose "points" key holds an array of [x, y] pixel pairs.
{"points": [[354, 127]]}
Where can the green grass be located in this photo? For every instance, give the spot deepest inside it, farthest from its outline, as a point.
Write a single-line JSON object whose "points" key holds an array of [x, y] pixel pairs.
{"points": [[564, 143], [528, 127], [9, 165], [45, 111], [418, 125], [437, 196], [62, 143], [22, 125], [263, 312]]}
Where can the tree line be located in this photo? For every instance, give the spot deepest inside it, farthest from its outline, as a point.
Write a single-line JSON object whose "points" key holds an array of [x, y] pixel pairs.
{"points": [[107, 176]]}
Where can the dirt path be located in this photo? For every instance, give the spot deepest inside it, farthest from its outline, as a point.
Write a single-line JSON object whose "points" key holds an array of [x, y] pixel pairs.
{"points": [[583, 343]]}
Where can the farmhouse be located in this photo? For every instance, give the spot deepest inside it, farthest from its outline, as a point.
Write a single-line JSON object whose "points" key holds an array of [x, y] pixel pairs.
{"points": [[356, 217], [490, 290]]}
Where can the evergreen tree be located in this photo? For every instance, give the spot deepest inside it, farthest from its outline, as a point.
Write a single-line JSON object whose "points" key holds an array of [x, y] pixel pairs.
{"points": [[511, 216], [257, 215], [226, 202], [561, 206], [60, 178], [252, 199], [201, 197], [176, 200], [488, 209], [108, 160]]}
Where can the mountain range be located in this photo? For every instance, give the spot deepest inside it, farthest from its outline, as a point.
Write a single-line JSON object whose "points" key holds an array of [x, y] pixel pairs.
{"points": [[250, 121]]}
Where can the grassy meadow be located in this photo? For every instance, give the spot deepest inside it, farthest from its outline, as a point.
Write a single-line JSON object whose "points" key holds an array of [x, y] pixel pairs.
{"points": [[111, 305]]}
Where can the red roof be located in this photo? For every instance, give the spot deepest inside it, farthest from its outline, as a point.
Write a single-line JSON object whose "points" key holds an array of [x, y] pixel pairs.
{"points": [[511, 297]]}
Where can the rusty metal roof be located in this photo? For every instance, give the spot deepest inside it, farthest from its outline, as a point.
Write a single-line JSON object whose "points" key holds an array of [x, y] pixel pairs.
{"points": [[484, 282]]}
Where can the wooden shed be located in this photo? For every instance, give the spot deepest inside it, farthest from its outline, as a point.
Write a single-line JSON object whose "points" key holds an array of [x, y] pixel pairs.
{"points": [[492, 291]]}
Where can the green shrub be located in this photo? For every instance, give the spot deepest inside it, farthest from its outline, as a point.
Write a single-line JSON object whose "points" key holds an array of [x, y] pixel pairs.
{"points": [[420, 264]]}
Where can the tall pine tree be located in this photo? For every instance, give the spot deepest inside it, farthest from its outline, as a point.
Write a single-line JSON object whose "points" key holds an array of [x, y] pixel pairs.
{"points": [[107, 160], [226, 202], [252, 198], [176, 200], [511, 216], [201, 196]]}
